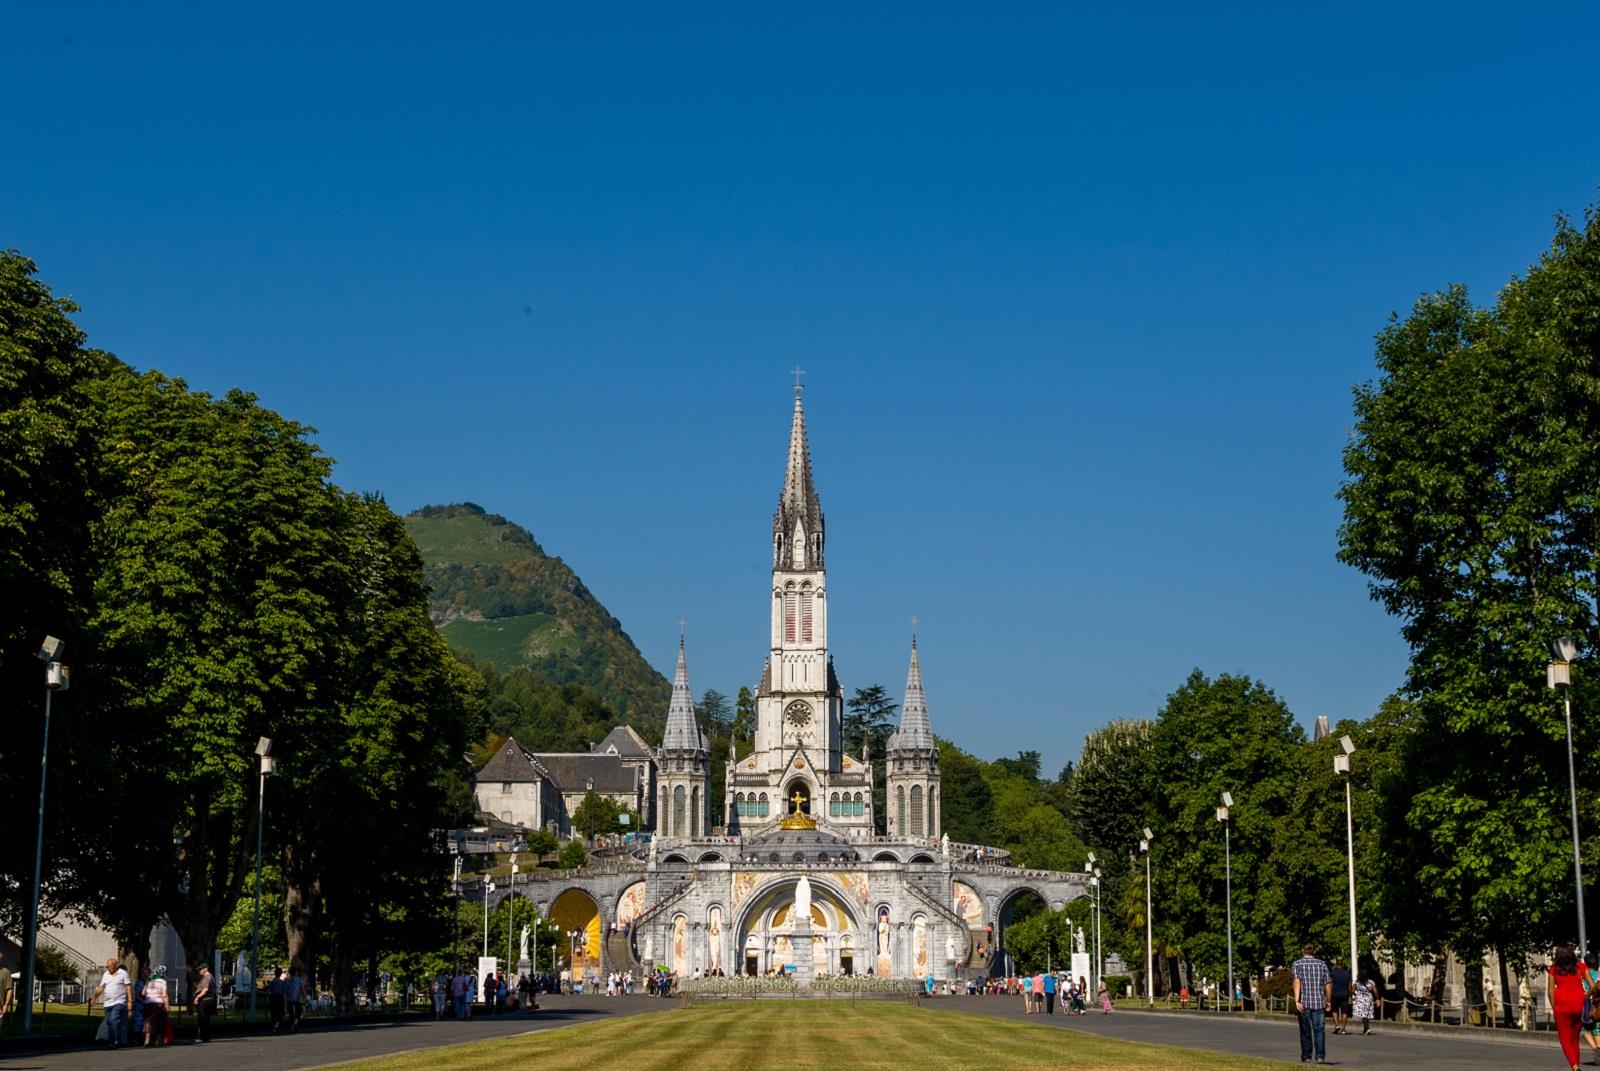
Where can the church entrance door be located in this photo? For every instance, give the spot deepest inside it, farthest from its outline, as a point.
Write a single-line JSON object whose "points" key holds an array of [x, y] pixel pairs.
{"points": [[797, 797]]}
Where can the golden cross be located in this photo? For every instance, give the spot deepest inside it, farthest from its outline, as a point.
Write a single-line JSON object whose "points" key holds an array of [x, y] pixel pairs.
{"points": [[798, 799]]}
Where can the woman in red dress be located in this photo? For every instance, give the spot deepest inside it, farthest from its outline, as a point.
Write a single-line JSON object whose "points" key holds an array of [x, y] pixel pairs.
{"points": [[1564, 989]]}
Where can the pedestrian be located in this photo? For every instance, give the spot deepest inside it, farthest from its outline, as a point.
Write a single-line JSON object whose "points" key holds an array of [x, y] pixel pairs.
{"points": [[275, 999], [8, 994], [437, 992], [1105, 998], [294, 996], [1339, 998], [116, 1000], [157, 1025], [205, 1004], [1313, 995], [1590, 976], [1037, 987], [1364, 1001], [137, 1016], [1567, 999], [1049, 994]]}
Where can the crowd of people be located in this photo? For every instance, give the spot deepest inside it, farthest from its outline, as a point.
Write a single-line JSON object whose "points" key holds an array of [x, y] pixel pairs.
{"points": [[141, 1008]]}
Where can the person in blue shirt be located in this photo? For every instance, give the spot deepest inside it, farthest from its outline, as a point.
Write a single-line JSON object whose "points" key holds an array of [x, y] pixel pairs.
{"points": [[1049, 994]]}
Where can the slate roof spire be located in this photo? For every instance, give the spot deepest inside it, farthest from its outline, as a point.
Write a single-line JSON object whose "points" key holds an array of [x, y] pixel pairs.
{"points": [[682, 732], [797, 526], [915, 730]]}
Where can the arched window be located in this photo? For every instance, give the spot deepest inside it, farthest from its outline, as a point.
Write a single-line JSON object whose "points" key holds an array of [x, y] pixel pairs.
{"points": [[680, 806], [833, 805], [933, 810], [790, 608], [916, 810], [694, 812], [900, 809], [861, 807], [763, 805], [805, 613], [738, 807]]}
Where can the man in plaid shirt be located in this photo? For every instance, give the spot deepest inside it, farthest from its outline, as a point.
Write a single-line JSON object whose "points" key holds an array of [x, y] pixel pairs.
{"points": [[1313, 994]]}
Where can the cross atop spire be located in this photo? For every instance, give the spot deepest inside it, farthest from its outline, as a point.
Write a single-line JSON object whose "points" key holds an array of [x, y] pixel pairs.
{"points": [[915, 731], [797, 373], [681, 730]]}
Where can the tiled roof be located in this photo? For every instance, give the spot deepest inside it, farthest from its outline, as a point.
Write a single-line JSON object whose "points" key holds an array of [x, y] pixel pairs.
{"points": [[573, 771], [626, 742], [513, 762]]}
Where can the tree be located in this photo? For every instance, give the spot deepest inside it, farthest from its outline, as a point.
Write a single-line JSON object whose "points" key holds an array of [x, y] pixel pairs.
{"points": [[1470, 505], [596, 814], [1025, 765], [1214, 735], [573, 855], [744, 714], [713, 714], [966, 803], [1111, 789], [869, 719]]}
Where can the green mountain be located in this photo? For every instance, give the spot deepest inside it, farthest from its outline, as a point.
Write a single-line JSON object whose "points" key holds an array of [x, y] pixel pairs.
{"points": [[498, 595]]}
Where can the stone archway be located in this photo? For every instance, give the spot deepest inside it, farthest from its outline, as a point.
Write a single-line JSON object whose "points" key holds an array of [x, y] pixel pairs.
{"points": [[770, 939], [576, 911], [798, 786]]}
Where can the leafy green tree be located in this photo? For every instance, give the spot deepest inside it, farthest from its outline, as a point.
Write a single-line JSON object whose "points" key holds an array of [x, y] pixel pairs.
{"points": [[1025, 765], [744, 714], [1214, 735], [1470, 503], [1111, 790], [573, 855], [966, 803], [869, 717], [596, 814], [713, 714]]}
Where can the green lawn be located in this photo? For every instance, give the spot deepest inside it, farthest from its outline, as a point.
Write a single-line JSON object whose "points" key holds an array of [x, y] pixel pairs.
{"points": [[809, 1036]]}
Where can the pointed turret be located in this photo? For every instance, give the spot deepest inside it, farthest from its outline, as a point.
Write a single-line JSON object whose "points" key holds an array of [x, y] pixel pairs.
{"points": [[797, 528], [915, 730], [681, 732]]}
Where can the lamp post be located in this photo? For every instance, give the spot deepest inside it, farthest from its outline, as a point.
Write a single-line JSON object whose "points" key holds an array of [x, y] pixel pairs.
{"points": [[455, 923], [1341, 764], [511, 922], [57, 678], [1559, 677], [488, 887], [1227, 857], [1149, 941], [268, 765]]}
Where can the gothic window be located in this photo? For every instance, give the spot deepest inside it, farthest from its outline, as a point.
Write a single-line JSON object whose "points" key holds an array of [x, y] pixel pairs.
{"points": [[763, 805], [790, 605], [694, 813], [916, 810], [738, 805], [680, 805], [900, 809], [805, 613], [833, 805], [860, 805]]}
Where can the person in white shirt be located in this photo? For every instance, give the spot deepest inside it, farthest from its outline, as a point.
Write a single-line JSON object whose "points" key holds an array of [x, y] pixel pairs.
{"points": [[116, 998]]}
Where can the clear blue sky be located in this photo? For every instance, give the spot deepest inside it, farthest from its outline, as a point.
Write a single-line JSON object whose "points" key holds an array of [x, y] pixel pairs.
{"points": [[1081, 295]]}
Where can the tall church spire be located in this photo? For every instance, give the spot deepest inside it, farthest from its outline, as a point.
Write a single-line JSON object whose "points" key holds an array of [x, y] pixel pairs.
{"points": [[797, 527], [681, 731], [915, 730]]}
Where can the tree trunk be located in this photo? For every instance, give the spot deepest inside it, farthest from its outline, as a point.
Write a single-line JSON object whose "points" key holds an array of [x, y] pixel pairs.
{"points": [[1508, 999], [301, 896], [1436, 987], [1472, 984]]}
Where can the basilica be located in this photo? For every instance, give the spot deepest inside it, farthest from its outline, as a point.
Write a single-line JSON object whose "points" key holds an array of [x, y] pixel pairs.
{"points": [[792, 878]]}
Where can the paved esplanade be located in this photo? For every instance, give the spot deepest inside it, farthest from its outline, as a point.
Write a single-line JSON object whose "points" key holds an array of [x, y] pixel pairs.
{"points": [[1386, 1049], [320, 1046]]}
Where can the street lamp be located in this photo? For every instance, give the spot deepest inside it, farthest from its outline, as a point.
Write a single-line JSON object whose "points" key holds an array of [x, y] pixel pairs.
{"points": [[1149, 942], [455, 923], [1227, 856], [511, 922], [57, 678], [1341, 764], [1559, 676], [1094, 883], [268, 766], [488, 888]]}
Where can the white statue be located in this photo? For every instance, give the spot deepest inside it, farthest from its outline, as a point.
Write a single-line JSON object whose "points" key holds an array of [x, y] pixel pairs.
{"points": [[1077, 940], [522, 955], [944, 844], [802, 900], [950, 949], [649, 947], [652, 853]]}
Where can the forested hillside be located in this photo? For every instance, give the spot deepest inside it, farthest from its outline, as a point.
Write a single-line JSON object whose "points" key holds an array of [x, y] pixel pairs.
{"points": [[497, 595]]}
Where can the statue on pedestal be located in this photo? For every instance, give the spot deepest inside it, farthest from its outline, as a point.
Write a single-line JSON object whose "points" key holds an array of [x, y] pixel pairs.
{"points": [[522, 956], [802, 900], [1078, 942]]}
